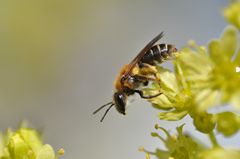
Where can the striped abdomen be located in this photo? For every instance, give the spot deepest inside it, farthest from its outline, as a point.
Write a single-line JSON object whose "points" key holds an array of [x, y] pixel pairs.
{"points": [[158, 53]]}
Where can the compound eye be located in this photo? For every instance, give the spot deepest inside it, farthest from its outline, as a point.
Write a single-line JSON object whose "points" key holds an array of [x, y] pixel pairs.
{"points": [[120, 102]]}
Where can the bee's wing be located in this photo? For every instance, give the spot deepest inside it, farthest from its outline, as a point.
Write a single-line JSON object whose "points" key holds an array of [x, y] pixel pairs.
{"points": [[142, 53]]}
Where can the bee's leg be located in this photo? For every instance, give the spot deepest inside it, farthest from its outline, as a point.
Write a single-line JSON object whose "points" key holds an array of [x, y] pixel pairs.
{"points": [[147, 69], [146, 97], [143, 79], [146, 78]]}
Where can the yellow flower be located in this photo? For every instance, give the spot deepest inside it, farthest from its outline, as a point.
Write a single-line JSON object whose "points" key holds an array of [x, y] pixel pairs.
{"points": [[212, 75], [24, 143], [219, 153], [232, 14], [179, 146], [202, 78]]}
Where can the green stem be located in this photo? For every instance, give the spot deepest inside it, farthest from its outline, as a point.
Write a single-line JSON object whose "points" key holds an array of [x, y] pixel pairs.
{"points": [[213, 139]]}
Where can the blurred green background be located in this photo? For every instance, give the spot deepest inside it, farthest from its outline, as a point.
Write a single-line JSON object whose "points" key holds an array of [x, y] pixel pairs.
{"points": [[59, 58]]}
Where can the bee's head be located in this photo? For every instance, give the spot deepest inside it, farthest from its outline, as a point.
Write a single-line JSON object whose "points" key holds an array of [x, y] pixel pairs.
{"points": [[119, 99]]}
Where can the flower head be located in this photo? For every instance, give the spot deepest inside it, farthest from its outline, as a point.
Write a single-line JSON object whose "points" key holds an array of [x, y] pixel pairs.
{"points": [[24, 143], [180, 146], [202, 78], [232, 13]]}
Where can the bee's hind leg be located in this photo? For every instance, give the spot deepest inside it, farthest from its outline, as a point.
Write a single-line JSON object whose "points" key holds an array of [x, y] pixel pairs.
{"points": [[143, 79], [149, 70]]}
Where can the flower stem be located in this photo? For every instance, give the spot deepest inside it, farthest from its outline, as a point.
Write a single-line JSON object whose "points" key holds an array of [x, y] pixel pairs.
{"points": [[213, 139]]}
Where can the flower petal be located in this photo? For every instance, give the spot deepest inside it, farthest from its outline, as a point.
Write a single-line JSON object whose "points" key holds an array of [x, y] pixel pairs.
{"points": [[236, 61], [206, 99], [235, 100], [18, 148], [215, 51], [232, 14], [173, 115], [46, 152], [31, 137], [229, 42], [219, 153]]}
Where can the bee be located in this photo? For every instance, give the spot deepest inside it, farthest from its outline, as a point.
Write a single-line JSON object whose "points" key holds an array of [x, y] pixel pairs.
{"points": [[139, 72]]}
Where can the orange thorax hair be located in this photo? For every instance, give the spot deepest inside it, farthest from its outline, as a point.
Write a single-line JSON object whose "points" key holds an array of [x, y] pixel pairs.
{"points": [[118, 85]]}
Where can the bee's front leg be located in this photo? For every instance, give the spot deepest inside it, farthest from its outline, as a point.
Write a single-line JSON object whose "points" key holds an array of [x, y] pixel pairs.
{"points": [[146, 97]]}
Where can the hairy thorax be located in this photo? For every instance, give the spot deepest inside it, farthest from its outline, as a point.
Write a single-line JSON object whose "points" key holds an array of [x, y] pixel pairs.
{"points": [[129, 81]]}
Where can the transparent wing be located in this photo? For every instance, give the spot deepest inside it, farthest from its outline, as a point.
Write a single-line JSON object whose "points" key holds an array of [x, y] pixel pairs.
{"points": [[142, 53]]}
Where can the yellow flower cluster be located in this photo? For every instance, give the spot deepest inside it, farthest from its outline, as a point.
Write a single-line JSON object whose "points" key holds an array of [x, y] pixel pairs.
{"points": [[203, 78], [182, 146], [232, 14], [25, 143]]}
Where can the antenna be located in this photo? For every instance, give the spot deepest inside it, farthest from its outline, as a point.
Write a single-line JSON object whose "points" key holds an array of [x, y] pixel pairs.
{"points": [[110, 103], [102, 107], [106, 112]]}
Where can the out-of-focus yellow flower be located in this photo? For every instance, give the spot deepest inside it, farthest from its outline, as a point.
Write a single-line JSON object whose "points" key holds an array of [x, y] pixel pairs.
{"points": [[147, 156], [219, 153], [24, 143], [230, 126], [232, 13], [212, 75]]}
